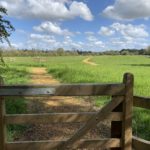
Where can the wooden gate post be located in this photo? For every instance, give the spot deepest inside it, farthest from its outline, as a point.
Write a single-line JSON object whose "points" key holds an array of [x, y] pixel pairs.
{"points": [[127, 110], [2, 124], [123, 129]]}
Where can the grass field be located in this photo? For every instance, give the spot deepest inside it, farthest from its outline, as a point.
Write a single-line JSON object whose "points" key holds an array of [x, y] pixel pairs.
{"points": [[108, 69]]}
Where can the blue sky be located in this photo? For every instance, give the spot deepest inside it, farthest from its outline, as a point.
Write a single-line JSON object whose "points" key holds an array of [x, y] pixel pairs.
{"points": [[95, 25]]}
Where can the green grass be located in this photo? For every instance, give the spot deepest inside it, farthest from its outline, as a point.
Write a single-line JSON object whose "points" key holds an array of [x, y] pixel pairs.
{"points": [[69, 69], [111, 69], [14, 105]]}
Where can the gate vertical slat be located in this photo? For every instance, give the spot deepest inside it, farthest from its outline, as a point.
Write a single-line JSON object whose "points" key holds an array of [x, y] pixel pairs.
{"points": [[116, 126], [2, 123]]}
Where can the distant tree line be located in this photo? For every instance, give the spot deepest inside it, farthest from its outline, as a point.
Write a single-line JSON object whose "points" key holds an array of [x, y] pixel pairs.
{"points": [[62, 52]]}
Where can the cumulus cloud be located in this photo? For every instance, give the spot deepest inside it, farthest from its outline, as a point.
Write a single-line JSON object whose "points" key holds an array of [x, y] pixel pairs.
{"points": [[69, 43], [50, 27], [41, 41], [126, 30], [94, 42], [44, 41], [131, 31], [106, 31], [128, 9], [125, 35], [47, 9], [122, 42]]}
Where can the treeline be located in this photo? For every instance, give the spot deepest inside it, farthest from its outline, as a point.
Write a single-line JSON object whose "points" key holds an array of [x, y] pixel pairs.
{"points": [[62, 52]]}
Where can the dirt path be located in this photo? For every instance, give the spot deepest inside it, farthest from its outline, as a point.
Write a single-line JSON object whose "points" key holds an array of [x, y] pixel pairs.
{"points": [[56, 104], [88, 61], [40, 76]]}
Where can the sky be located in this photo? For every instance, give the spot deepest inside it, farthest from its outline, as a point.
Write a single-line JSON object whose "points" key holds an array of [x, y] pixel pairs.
{"points": [[88, 25]]}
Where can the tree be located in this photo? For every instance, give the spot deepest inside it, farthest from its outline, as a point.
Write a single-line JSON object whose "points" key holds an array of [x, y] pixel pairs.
{"points": [[60, 51], [5, 30]]}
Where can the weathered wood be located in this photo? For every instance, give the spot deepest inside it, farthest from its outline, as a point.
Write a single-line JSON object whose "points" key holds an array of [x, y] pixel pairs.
{"points": [[2, 123], [127, 112], [64, 90], [140, 144], [91, 123], [52, 145], [116, 126], [56, 117], [143, 102], [26, 91]]}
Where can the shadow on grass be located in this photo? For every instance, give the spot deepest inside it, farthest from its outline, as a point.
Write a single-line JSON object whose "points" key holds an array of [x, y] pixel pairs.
{"points": [[32, 65], [138, 65], [15, 105]]}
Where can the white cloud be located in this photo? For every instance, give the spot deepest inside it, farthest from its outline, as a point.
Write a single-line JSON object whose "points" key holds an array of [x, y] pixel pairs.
{"points": [[47, 9], [93, 42], [80, 9], [106, 31], [132, 31], [92, 38], [42, 41], [126, 36], [49, 27], [68, 43], [122, 42], [128, 9], [42, 37], [125, 30]]}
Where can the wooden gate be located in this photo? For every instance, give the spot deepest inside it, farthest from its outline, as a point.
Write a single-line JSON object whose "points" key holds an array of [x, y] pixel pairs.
{"points": [[118, 110]]}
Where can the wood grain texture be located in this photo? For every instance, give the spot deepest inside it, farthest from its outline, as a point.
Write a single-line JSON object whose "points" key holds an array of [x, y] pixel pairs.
{"points": [[128, 80], [64, 90], [116, 126], [140, 144], [52, 145], [57, 117], [2, 123], [143, 102], [91, 123]]}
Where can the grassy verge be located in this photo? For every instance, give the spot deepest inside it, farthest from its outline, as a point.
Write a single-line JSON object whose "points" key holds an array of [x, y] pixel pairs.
{"points": [[14, 105]]}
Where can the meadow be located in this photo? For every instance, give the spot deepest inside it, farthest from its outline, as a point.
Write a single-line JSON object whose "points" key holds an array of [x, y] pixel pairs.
{"points": [[69, 69]]}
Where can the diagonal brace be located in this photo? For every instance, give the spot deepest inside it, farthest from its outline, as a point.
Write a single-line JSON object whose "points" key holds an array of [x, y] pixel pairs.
{"points": [[91, 123]]}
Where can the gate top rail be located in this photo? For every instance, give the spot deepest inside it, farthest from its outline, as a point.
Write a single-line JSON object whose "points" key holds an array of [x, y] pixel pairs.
{"points": [[83, 89]]}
